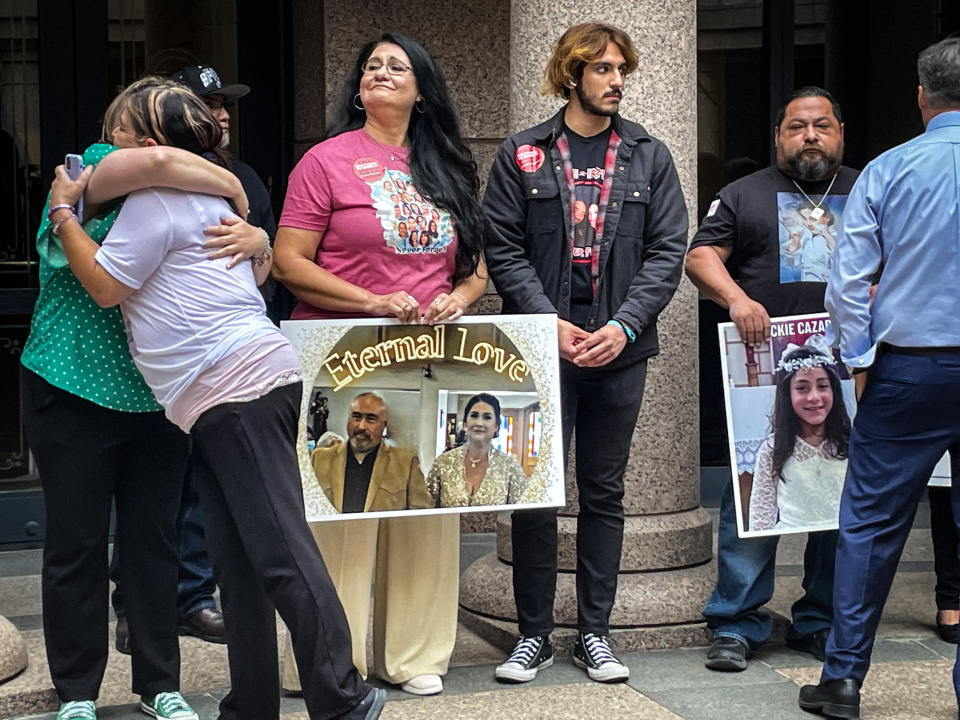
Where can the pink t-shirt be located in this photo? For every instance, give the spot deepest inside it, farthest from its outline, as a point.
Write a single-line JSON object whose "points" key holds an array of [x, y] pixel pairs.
{"points": [[377, 231]]}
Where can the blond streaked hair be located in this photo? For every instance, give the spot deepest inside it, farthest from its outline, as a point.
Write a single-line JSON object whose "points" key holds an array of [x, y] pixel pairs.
{"points": [[578, 46], [170, 114], [111, 118]]}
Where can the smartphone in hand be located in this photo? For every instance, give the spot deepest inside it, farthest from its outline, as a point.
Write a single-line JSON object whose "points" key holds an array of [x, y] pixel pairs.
{"points": [[74, 165]]}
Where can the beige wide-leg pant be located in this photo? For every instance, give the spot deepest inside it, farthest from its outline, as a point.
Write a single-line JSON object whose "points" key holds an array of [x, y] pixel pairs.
{"points": [[415, 564]]}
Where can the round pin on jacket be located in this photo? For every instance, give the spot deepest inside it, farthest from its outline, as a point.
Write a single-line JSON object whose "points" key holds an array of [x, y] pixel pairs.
{"points": [[529, 158]]}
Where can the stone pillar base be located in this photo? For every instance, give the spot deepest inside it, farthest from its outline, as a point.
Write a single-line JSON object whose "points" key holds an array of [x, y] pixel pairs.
{"points": [[653, 610], [503, 633], [13, 651], [650, 542]]}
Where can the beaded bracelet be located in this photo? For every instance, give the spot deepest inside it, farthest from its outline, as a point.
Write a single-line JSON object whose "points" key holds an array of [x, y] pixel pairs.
{"points": [[61, 206]]}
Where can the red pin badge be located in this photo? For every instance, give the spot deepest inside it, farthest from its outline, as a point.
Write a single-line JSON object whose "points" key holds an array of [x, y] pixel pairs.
{"points": [[529, 158], [368, 169]]}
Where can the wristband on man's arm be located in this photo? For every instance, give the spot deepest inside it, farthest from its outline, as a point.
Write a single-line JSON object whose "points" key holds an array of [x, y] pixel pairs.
{"points": [[631, 335]]}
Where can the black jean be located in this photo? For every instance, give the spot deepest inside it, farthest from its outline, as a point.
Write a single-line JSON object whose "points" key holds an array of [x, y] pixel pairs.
{"points": [[602, 406], [264, 557], [87, 457], [946, 563]]}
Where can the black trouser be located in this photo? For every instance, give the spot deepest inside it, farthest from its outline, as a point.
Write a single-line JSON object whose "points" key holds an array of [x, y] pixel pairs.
{"points": [[946, 563], [195, 585], [87, 456], [603, 405], [264, 557]]}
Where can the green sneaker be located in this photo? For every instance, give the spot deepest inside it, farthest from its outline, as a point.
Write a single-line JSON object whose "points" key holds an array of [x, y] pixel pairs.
{"points": [[77, 710], [168, 706]]}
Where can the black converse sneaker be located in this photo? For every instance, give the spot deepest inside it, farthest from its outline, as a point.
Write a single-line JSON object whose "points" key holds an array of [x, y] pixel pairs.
{"points": [[529, 656], [592, 653]]}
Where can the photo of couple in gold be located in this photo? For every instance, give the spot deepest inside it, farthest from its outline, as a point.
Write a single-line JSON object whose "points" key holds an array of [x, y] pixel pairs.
{"points": [[411, 419], [366, 472]]}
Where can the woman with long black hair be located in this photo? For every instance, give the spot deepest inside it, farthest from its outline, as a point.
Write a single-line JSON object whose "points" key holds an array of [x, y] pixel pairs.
{"points": [[341, 250]]}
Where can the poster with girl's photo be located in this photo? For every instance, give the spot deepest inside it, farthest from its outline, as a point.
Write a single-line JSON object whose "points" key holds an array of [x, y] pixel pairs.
{"points": [[790, 404]]}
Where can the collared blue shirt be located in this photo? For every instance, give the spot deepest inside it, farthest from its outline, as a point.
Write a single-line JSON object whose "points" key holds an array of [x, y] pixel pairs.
{"points": [[903, 215]]}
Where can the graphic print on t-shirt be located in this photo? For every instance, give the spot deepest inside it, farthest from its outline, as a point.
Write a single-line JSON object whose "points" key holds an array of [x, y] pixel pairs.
{"points": [[411, 224], [808, 235], [587, 185]]}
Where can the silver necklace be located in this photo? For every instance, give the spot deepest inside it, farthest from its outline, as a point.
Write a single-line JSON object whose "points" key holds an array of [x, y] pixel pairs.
{"points": [[390, 153], [817, 211]]}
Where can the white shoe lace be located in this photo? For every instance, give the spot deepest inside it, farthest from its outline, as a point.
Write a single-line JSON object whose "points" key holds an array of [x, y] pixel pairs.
{"points": [[525, 650], [171, 702], [77, 710], [598, 649]]}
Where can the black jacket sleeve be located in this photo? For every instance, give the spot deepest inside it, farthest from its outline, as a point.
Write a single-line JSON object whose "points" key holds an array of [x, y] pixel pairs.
{"points": [[510, 268], [664, 246]]}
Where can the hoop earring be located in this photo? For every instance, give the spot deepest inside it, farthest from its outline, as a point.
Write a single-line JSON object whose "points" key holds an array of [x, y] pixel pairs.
{"points": [[420, 106], [356, 102]]}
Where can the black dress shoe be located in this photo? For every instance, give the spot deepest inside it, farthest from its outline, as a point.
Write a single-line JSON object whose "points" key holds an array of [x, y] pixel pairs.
{"points": [[832, 698], [727, 654], [122, 636], [948, 633], [207, 624], [813, 644]]}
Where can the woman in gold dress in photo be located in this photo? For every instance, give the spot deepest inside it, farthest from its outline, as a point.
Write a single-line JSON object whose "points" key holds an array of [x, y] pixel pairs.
{"points": [[476, 473]]}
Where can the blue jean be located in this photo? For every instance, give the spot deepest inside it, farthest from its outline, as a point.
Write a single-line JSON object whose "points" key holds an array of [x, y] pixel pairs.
{"points": [[195, 583], [907, 418], [745, 577]]}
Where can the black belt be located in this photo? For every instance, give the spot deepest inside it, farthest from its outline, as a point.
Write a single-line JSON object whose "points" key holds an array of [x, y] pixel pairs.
{"points": [[920, 351]]}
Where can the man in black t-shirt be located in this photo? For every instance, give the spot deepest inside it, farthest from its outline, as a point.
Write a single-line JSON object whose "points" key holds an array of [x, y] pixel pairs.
{"points": [[587, 221], [763, 250]]}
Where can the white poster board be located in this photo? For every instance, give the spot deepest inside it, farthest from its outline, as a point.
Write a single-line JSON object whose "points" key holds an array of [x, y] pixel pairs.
{"points": [[803, 495]]}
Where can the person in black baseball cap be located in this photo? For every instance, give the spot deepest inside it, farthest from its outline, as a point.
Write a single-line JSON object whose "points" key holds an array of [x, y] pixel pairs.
{"points": [[206, 83], [204, 80]]}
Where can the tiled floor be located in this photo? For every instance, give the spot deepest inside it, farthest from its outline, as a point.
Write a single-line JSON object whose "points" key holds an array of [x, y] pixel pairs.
{"points": [[910, 678]]}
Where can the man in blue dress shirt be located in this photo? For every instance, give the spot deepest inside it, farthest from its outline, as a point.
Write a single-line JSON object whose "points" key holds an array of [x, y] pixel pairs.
{"points": [[903, 215]]}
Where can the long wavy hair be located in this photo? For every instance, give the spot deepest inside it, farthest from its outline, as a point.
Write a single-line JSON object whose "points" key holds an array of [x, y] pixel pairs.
{"points": [[577, 47], [441, 165], [786, 424]]}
